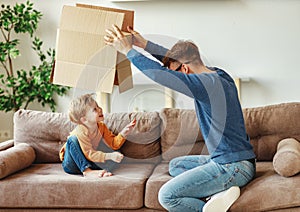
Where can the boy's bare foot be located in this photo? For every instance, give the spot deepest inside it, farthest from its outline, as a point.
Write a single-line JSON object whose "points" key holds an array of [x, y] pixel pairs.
{"points": [[106, 173], [89, 173]]}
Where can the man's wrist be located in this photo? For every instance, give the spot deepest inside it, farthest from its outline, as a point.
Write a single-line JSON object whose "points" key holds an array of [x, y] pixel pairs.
{"points": [[131, 53], [127, 50], [145, 44]]}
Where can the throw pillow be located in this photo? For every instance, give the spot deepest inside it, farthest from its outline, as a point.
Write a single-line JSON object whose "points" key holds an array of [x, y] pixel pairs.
{"points": [[286, 160], [142, 143]]}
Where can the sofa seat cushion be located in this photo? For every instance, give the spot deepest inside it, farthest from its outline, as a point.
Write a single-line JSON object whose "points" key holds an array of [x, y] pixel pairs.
{"points": [[268, 191], [48, 186], [159, 177]]}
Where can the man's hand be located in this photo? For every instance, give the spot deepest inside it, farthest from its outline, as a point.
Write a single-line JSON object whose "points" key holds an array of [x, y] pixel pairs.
{"points": [[128, 128], [118, 40], [114, 156], [137, 39]]}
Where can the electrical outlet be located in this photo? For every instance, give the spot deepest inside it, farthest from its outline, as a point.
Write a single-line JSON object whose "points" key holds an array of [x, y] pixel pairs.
{"points": [[4, 134]]}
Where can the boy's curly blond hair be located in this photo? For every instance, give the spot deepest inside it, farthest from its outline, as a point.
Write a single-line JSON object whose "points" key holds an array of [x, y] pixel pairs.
{"points": [[79, 106]]}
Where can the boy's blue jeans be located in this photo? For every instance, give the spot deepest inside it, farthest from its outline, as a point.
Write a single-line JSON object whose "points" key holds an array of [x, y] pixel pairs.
{"points": [[75, 162], [197, 177]]}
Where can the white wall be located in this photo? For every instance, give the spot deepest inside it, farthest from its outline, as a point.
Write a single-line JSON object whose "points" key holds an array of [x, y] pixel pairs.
{"points": [[256, 39]]}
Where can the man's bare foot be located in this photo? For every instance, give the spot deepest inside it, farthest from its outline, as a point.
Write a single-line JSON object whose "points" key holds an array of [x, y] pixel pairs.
{"points": [[89, 173]]}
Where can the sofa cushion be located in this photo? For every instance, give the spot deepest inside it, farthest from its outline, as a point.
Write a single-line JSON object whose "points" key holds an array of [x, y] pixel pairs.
{"points": [[286, 161], [180, 134], [268, 191], [44, 131], [268, 125], [48, 186], [159, 177], [142, 143], [15, 159]]}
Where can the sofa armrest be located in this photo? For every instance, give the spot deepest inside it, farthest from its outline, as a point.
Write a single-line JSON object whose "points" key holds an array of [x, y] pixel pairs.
{"points": [[6, 144], [16, 158]]}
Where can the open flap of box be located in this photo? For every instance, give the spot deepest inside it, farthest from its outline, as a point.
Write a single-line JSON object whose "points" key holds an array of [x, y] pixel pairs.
{"points": [[82, 58], [123, 76]]}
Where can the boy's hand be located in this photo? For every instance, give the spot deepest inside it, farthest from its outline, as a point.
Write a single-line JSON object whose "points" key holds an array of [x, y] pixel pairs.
{"points": [[114, 156], [129, 127]]}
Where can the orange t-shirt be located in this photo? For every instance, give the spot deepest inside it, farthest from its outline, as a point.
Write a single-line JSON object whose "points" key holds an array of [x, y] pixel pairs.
{"points": [[89, 142]]}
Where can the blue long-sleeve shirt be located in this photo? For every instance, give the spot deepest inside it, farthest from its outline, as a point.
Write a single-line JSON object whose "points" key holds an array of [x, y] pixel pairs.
{"points": [[216, 101]]}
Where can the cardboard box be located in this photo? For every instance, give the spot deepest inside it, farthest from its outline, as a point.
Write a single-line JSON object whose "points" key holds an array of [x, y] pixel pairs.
{"points": [[83, 60]]}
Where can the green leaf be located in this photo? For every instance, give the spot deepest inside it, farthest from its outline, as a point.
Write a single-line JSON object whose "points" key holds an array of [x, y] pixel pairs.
{"points": [[28, 85]]}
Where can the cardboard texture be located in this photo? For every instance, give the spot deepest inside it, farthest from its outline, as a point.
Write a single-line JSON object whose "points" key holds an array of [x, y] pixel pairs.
{"points": [[82, 58]]}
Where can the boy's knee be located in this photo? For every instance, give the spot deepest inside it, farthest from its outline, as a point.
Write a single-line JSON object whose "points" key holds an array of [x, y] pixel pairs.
{"points": [[72, 140], [73, 144]]}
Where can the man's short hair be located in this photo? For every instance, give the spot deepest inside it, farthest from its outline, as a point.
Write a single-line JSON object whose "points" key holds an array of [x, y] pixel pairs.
{"points": [[183, 52]]}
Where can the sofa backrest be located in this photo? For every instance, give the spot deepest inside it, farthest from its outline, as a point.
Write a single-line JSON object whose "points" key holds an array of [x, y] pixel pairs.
{"points": [[266, 126], [46, 132], [143, 143], [180, 134], [168, 133]]}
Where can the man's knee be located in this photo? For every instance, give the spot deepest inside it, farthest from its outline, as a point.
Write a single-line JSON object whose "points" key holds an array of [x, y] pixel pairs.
{"points": [[173, 167], [162, 198], [165, 196]]}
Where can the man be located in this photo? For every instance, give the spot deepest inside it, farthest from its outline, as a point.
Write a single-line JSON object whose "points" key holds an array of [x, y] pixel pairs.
{"points": [[231, 160]]}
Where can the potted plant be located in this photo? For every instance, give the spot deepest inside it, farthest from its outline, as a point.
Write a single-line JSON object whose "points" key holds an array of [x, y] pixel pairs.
{"points": [[19, 88]]}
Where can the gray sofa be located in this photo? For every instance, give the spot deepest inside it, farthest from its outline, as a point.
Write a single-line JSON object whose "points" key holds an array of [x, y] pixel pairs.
{"points": [[32, 179]]}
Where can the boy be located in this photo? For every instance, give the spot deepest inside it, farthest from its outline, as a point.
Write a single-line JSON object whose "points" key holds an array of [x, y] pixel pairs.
{"points": [[80, 154]]}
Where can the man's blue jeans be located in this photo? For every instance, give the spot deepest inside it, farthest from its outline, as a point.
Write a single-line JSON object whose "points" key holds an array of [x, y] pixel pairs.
{"points": [[197, 177]]}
